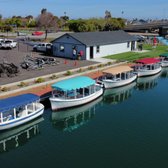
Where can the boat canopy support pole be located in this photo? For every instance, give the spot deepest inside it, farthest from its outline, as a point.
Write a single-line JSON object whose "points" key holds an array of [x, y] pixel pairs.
{"points": [[34, 106], [83, 92], [1, 117], [26, 110], [14, 112], [75, 93]]}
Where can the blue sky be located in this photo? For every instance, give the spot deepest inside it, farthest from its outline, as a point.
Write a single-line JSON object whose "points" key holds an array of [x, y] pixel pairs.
{"points": [[142, 9]]}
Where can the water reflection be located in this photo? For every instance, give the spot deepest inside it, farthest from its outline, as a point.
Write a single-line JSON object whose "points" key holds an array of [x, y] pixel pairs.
{"points": [[164, 73], [18, 136], [71, 119], [145, 83], [116, 95]]}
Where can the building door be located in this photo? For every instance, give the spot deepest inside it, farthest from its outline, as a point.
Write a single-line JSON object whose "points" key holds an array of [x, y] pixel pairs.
{"points": [[91, 52], [132, 45]]}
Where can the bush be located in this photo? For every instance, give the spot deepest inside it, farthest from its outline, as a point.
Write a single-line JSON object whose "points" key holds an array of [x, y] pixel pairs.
{"points": [[80, 70], [4, 89], [109, 63], [90, 67], [39, 80], [53, 76], [22, 84], [100, 66], [68, 73]]}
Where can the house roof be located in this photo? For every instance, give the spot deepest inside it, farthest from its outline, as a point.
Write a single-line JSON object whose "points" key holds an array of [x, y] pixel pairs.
{"points": [[102, 38]]}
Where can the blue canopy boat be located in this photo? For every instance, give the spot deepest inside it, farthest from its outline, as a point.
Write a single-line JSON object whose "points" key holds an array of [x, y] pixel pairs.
{"points": [[74, 92], [18, 110]]}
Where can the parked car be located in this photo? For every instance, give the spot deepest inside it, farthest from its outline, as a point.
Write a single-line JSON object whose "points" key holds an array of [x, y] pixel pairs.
{"points": [[8, 44], [43, 47], [37, 33], [1, 40], [21, 34]]}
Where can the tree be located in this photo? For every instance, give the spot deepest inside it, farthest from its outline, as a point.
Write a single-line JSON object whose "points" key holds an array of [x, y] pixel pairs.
{"points": [[46, 20], [31, 23], [96, 24], [107, 14]]}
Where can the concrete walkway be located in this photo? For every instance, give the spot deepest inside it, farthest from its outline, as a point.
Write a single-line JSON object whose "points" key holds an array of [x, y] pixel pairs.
{"points": [[102, 60], [141, 51]]}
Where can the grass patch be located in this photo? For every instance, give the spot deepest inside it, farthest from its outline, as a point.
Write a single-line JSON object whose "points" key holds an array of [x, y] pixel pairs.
{"points": [[132, 56]]}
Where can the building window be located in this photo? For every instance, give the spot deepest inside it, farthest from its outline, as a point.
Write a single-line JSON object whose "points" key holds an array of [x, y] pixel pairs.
{"points": [[97, 49], [62, 48], [128, 44]]}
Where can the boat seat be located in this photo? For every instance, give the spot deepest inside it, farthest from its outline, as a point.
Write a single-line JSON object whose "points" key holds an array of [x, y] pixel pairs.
{"points": [[7, 118], [22, 113]]}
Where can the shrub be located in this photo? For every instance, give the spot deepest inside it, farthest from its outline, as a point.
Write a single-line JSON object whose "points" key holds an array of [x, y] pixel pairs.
{"points": [[68, 73], [22, 84], [4, 89], [109, 63], [80, 70], [53, 76], [100, 65], [39, 80], [90, 67]]}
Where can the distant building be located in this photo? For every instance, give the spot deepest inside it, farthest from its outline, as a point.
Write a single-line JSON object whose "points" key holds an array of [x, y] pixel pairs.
{"points": [[90, 45]]}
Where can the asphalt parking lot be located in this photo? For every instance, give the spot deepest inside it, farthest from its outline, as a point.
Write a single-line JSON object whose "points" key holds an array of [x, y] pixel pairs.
{"points": [[17, 55]]}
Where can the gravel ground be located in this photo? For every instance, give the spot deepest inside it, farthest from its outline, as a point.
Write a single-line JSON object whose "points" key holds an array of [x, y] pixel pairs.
{"points": [[17, 55]]}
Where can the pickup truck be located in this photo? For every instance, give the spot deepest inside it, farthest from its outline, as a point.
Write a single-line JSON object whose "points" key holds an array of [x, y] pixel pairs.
{"points": [[8, 44], [42, 47]]}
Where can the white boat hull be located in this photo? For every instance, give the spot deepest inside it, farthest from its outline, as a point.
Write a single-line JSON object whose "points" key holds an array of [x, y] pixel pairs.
{"points": [[144, 72], [164, 63], [60, 103], [117, 83], [68, 113], [21, 120]]}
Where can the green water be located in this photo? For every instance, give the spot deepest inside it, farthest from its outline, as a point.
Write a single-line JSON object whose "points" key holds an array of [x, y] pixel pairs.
{"points": [[125, 128]]}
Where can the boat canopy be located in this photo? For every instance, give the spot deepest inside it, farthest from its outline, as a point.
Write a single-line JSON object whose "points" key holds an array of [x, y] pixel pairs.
{"points": [[148, 61], [118, 69], [164, 55], [73, 83], [17, 101]]}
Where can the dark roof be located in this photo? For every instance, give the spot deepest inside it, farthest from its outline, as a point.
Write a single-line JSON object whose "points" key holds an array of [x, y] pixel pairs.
{"points": [[102, 38]]}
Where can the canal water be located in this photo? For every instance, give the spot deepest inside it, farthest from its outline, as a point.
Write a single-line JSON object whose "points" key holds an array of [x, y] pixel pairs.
{"points": [[125, 128]]}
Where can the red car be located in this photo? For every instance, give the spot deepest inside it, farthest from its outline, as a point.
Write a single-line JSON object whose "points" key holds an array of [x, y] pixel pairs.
{"points": [[37, 33]]}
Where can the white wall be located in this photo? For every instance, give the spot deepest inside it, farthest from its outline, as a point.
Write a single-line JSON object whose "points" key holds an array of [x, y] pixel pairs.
{"points": [[106, 50]]}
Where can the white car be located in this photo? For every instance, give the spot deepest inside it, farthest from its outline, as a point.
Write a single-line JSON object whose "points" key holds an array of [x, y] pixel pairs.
{"points": [[8, 43], [42, 47]]}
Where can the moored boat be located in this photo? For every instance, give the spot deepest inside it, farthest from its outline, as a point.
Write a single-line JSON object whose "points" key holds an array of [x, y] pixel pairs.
{"points": [[74, 92], [18, 136], [118, 95], [146, 83], [147, 67], [18, 110], [73, 118], [163, 59], [117, 76]]}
